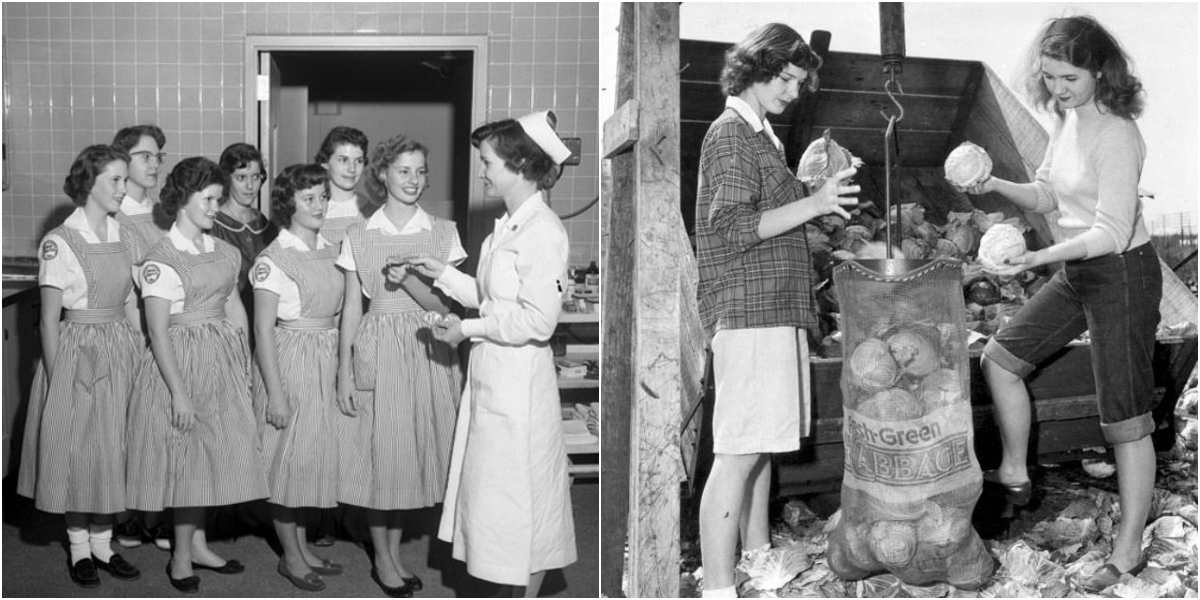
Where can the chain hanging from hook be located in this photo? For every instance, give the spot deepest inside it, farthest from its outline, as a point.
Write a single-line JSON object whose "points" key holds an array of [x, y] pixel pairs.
{"points": [[890, 140]]}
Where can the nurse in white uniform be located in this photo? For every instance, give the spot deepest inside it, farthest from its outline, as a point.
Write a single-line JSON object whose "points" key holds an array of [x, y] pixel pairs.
{"points": [[508, 506]]}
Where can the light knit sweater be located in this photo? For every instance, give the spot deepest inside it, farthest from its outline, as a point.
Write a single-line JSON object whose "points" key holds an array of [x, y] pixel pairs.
{"points": [[1090, 174]]}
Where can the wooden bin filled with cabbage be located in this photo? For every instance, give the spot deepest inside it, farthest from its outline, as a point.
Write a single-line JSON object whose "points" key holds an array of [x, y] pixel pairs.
{"points": [[948, 103]]}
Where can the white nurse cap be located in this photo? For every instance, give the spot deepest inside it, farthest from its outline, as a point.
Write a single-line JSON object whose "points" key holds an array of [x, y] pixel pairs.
{"points": [[537, 127]]}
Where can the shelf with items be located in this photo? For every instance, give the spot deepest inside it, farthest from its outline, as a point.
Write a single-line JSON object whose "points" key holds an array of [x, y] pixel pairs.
{"points": [[579, 353]]}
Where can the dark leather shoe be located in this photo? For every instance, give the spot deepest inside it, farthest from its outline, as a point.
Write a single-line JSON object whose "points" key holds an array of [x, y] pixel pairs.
{"points": [[84, 573], [400, 591], [327, 568], [118, 567], [128, 534], [1017, 494], [309, 583], [187, 585], [414, 583], [231, 567], [1108, 575]]}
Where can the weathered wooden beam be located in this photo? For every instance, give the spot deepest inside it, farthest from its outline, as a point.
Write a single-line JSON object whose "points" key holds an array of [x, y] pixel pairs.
{"points": [[621, 129], [655, 462], [646, 206]]}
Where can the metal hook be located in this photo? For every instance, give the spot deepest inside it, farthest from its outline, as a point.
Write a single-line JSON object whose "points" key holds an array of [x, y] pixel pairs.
{"points": [[887, 87]]}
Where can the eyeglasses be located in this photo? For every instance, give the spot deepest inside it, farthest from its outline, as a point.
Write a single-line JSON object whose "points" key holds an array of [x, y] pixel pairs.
{"points": [[147, 156]]}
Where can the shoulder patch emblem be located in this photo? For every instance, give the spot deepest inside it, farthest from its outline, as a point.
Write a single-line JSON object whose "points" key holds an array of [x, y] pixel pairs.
{"points": [[49, 250], [151, 273], [261, 272]]}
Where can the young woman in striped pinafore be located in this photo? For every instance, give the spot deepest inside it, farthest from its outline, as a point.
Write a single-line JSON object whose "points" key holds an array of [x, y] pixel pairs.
{"points": [[139, 212], [191, 431], [298, 297], [343, 153], [74, 450], [398, 388]]}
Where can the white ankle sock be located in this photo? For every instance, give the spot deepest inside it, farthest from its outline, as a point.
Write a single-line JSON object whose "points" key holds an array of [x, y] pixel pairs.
{"points": [[78, 539], [101, 541], [728, 592]]}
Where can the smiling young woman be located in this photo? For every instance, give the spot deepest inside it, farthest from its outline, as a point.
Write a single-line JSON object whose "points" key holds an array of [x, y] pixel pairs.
{"points": [[74, 449], [192, 439]]}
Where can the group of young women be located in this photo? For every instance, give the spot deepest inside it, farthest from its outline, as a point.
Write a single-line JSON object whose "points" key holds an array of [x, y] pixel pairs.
{"points": [[319, 403]]}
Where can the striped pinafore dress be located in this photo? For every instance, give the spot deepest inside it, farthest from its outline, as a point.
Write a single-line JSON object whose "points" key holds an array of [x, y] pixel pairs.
{"points": [[302, 458], [144, 232], [218, 461], [395, 453], [74, 447], [334, 227]]}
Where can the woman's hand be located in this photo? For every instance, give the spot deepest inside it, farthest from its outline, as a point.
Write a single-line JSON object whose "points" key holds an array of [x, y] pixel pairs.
{"points": [[424, 264], [345, 395], [829, 198], [1017, 264], [279, 412], [449, 330], [987, 186], [183, 413]]}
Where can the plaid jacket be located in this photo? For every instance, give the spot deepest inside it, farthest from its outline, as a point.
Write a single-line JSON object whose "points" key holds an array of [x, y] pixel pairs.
{"points": [[746, 281]]}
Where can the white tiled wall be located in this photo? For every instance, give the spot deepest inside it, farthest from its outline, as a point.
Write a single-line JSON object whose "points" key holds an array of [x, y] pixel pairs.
{"points": [[80, 71]]}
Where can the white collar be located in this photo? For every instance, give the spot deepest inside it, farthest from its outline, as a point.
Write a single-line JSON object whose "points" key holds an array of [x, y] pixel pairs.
{"points": [[130, 206], [182, 243], [747, 113], [419, 222], [287, 239], [78, 221], [531, 205]]}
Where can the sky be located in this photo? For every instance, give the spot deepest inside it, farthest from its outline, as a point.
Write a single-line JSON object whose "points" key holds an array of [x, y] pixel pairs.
{"points": [[1160, 38]]}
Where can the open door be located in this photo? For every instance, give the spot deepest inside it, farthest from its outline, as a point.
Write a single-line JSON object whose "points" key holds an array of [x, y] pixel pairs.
{"points": [[268, 123]]}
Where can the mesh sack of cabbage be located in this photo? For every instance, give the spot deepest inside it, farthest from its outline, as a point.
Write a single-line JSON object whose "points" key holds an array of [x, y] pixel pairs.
{"points": [[911, 479]]}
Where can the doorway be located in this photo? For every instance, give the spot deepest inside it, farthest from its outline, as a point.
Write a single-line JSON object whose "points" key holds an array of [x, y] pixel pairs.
{"points": [[430, 89]]}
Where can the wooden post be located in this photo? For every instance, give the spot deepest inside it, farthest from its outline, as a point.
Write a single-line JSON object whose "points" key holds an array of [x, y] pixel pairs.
{"points": [[649, 266]]}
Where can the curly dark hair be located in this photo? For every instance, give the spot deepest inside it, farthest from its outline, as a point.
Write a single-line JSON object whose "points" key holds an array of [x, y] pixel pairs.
{"points": [[128, 137], [294, 178], [239, 156], [520, 153], [87, 167], [341, 135], [382, 157], [1084, 44], [191, 175], [763, 55]]}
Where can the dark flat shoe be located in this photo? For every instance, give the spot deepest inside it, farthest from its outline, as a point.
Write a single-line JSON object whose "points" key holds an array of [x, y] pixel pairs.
{"points": [[414, 583], [309, 583], [84, 573], [118, 567], [1017, 494], [400, 591], [187, 585], [231, 567], [324, 541], [128, 534], [327, 568], [1108, 575]]}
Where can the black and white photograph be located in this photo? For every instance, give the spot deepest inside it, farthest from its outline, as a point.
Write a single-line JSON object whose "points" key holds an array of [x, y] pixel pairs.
{"points": [[301, 299], [911, 299]]}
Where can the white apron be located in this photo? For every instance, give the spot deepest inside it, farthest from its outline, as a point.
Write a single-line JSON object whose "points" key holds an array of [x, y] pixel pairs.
{"points": [[508, 506]]}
